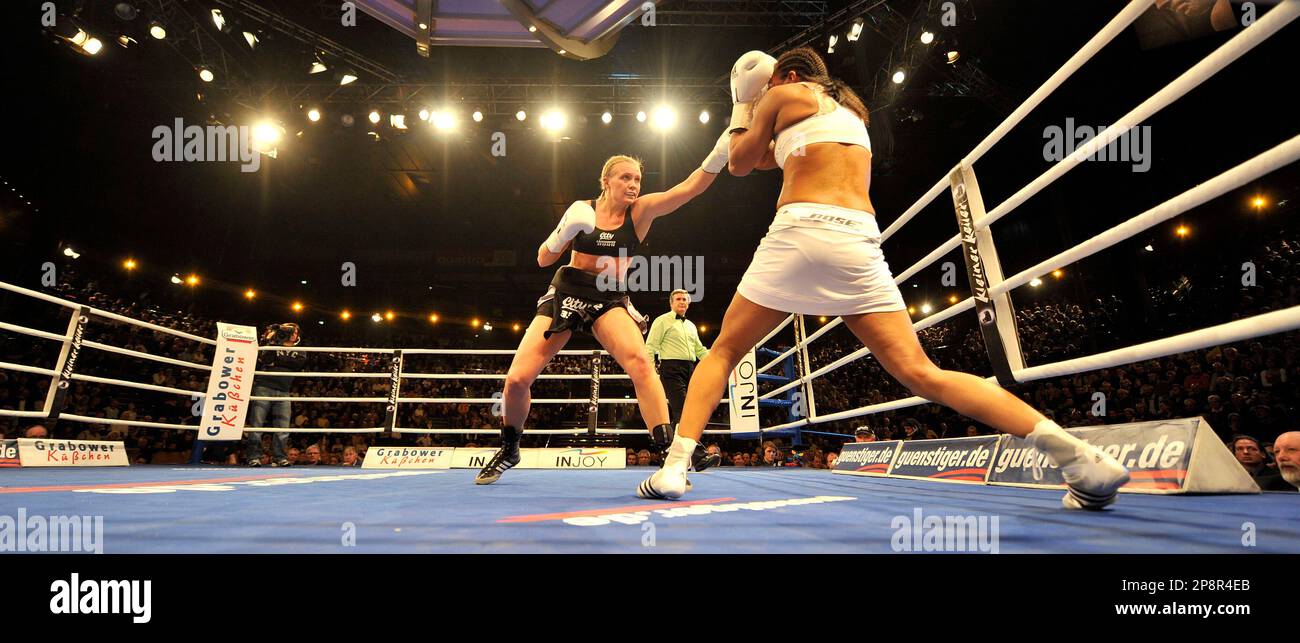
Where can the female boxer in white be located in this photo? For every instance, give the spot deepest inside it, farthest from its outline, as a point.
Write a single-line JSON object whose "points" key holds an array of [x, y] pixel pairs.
{"points": [[584, 296], [821, 256]]}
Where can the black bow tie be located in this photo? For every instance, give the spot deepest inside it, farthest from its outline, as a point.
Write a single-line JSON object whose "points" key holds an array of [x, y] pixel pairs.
{"points": [[682, 317]]}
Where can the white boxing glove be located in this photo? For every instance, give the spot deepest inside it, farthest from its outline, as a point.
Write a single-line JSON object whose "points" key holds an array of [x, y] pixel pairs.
{"points": [[749, 77], [717, 158], [579, 218]]}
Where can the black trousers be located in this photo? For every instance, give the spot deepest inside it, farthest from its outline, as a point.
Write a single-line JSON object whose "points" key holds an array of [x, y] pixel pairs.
{"points": [[675, 374]]}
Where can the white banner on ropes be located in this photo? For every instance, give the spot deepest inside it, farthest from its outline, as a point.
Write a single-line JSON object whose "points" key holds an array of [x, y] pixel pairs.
{"points": [[742, 387], [226, 407]]}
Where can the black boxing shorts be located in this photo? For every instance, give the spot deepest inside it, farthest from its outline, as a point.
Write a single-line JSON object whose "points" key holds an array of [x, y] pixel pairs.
{"points": [[574, 303]]}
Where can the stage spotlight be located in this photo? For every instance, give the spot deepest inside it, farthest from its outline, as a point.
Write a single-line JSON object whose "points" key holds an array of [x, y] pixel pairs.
{"points": [[218, 20], [515, 327], [521, 115], [704, 329], [250, 294], [952, 299], [345, 315], [830, 46], [205, 74], [376, 318], [397, 121], [554, 120], [297, 306], [1035, 282], [157, 30], [129, 264], [1182, 231], [176, 279], [389, 315], [911, 310], [1058, 273], [126, 41], [855, 31], [474, 322], [347, 120], [1258, 202], [317, 67], [953, 56], [93, 45], [347, 77], [640, 117], [433, 319], [925, 309], [424, 114], [374, 117], [704, 117], [252, 39], [606, 118], [927, 37], [487, 326], [69, 252], [192, 280], [443, 120], [532, 29], [898, 77], [313, 115], [478, 116], [267, 134], [663, 118]]}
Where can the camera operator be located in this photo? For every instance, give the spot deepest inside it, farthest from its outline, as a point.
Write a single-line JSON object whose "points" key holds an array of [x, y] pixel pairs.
{"points": [[272, 386]]}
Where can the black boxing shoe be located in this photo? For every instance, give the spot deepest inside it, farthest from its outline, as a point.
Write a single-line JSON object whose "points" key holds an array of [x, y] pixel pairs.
{"points": [[702, 459], [506, 457], [662, 437]]}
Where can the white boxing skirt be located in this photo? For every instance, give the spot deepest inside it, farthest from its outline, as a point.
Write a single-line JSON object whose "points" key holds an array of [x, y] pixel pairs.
{"points": [[821, 260]]}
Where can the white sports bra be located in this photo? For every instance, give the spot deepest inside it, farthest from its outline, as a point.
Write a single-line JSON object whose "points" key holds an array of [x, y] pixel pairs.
{"points": [[833, 123]]}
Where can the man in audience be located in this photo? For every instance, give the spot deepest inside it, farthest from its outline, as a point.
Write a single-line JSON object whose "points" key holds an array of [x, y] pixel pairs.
{"points": [[36, 432], [1250, 453], [313, 455], [864, 434], [771, 455], [831, 457], [1286, 449], [350, 457]]}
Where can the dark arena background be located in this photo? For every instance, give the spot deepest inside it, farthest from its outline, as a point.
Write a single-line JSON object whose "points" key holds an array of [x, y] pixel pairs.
{"points": [[1092, 204]]}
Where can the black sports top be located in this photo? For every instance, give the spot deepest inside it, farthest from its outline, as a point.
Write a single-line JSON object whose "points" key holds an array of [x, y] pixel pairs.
{"points": [[607, 243]]}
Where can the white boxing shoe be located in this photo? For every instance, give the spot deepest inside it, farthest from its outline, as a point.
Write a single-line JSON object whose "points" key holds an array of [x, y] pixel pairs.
{"points": [[664, 484], [1094, 479]]}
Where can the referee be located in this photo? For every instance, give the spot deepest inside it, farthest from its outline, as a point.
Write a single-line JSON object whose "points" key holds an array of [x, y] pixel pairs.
{"points": [[675, 346]]}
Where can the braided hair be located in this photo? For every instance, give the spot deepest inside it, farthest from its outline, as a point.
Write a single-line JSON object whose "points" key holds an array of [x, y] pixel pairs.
{"points": [[809, 66]]}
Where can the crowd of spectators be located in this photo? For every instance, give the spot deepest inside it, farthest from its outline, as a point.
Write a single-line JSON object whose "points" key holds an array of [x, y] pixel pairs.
{"points": [[1245, 387]]}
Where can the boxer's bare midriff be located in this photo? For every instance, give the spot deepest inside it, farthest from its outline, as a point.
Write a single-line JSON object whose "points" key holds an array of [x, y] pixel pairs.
{"points": [[830, 173]]}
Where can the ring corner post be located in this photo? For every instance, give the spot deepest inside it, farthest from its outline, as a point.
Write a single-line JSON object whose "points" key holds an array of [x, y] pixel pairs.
{"points": [[996, 314]]}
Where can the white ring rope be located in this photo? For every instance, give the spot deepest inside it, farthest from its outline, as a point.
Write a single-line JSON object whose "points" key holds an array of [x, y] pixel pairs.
{"points": [[23, 330], [1230, 51], [137, 354], [1117, 25], [1277, 157], [28, 369], [104, 313]]}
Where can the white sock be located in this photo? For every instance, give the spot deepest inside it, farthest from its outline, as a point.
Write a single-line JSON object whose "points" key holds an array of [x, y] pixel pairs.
{"points": [[1060, 447], [679, 453]]}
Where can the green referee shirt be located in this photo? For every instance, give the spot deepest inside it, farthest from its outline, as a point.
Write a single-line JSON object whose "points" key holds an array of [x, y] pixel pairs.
{"points": [[672, 338]]}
